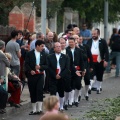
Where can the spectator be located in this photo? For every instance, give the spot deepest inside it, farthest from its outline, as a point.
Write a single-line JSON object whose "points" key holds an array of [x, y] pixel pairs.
{"points": [[4, 62], [3, 98], [51, 105], [85, 33], [115, 47], [49, 40], [76, 30], [54, 117], [14, 49]]}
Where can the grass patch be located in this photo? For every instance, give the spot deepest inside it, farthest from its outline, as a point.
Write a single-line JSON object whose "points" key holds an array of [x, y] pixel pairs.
{"points": [[108, 109]]}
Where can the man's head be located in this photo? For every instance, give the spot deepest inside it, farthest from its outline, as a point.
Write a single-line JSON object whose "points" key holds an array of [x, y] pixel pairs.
{"points": [[63, 43], [69, 32], [80, 40], [14, 34], [40, 36], [95, 35], [2, 45], [98, 31], [76, 37], [50, 36], [39, 45], [76, 30], [84, 26], [71, 42], [20, 34], [57, 47]]}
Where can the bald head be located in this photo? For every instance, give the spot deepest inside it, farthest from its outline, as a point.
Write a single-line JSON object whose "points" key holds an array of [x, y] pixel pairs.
{"points": [[76, 30], [57, 47], [50, 36]]}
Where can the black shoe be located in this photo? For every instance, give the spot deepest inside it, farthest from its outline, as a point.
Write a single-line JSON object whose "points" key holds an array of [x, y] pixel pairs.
{"points": [[87, 98], [76, 104], [94, 89], [61, 110], [79, 98], [98, 92], [33, 113], [14, 105], [2, 111], [100, 89], [40, 113], [89, 91], [65, 107]]}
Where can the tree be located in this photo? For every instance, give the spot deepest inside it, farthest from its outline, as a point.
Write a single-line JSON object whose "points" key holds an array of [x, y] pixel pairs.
{"points": [[93, 10], [7, 5]]}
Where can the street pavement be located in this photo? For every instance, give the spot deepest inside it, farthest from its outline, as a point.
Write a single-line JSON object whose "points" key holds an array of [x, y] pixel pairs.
{"points": [[111, 89]]}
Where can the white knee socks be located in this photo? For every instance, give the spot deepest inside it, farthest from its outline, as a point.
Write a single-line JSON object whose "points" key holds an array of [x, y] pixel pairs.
{"points": [[34, 107], [61, 102], [66, 98], [86, 90], [71, 97], [76, 95], [39, 106]]}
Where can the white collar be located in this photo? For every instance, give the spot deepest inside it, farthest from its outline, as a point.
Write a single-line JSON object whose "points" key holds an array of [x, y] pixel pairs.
{"points": [[1, 51], [37, 51]]}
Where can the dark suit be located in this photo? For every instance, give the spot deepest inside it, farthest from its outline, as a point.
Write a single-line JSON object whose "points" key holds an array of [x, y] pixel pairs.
{"points": [[78, 61], [88, 62], [104, 54], [35, 82], [58, 85]]}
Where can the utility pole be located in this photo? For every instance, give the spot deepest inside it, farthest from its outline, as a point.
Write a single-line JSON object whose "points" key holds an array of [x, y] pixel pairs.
{"points": [[106, 19], [43, 16]]}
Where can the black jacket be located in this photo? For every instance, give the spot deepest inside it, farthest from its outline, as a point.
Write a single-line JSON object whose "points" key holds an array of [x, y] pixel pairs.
{"points": [[87, 54], [78, 58], [64, 65], [104, 54], [30, 62]]}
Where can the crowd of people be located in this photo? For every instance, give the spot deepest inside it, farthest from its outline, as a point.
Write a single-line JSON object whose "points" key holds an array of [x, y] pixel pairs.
{"points": [[55, 65]]}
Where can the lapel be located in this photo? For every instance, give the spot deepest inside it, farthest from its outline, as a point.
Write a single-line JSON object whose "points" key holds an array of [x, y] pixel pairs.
{"points": [[33, 56], [54, 60], [41, 57], [61, 60], [100, 45], [90, 43]]}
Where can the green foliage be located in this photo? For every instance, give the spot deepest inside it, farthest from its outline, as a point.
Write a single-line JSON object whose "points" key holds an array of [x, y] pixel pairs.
{"points": [[7, 5], [93, 10], [107, 111]]}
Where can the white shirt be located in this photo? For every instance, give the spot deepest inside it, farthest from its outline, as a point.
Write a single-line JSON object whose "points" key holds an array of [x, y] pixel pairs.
{"points": [[63, 51], [58, 64], [37, 55], [95, 47], [72, 50]]}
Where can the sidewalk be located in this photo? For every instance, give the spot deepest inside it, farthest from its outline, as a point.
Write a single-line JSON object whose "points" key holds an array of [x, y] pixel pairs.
{"points": [[26, 104]]}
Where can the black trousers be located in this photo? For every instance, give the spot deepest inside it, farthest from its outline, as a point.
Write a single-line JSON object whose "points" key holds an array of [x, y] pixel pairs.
{"points": [[57, 86], [3, 98], [87, 77], [35, 85], [76, 82], [98, 71]]}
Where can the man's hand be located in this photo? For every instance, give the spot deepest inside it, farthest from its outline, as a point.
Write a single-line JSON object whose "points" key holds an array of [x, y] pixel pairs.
{"points": [[105, 64], [32, 72], [37, 67], [91, 69], [58, 76], [78, 73], [83, 73]]}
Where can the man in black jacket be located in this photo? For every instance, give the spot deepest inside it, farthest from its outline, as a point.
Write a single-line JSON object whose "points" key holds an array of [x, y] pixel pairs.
{"points": [[100, 54], [35, 64], [88, 62], [79, 67], [59, 73]]}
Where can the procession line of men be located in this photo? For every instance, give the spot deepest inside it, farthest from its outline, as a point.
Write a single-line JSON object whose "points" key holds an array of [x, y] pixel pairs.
{"points": [[66, 67]]}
